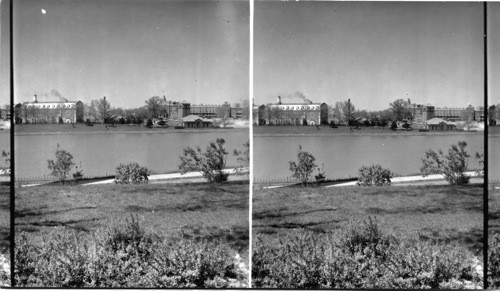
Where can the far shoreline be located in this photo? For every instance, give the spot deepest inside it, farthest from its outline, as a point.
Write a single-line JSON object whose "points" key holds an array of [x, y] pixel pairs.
{"points": [[68, 129]]}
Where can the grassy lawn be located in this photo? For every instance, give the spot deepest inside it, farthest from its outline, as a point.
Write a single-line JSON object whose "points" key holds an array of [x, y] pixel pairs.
{"points": [[447, 213], [4, 219], [494, 210], [218, 211], [342, 130]]}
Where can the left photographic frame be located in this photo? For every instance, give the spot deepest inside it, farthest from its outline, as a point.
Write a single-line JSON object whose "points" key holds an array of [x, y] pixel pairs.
{"points": [[131, 143]]}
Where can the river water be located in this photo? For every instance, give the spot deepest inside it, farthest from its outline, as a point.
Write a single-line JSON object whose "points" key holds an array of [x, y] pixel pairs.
{"points": [[343, 155], [100, 153]]}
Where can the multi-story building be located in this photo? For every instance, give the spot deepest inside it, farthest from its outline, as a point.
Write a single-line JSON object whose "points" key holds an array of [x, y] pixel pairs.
{"points": [[479, 113], [422, 113], [236, 112], [5, 112], [450, 114], [292, 113], [206, 111], [177, 110], [62, 111]]}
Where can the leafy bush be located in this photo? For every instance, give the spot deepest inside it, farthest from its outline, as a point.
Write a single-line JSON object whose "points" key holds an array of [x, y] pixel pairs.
{"points": [[210, 163], [62, 165], [124, 255], [4, 270], [494, 261], [303, 168], [452, 166], [360, 257], [131, 173], [321, 176], [374, 175]]}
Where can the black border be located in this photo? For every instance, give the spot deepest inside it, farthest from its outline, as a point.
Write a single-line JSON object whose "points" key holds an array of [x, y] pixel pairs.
{"points": [[12, 154], [485, 179]]}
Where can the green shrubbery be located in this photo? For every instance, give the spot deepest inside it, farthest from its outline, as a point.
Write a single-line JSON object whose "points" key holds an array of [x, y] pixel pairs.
{"points": [[374, 175], [359, 258], [131, 173], [494, 261], [124, 255], [452, 165]]}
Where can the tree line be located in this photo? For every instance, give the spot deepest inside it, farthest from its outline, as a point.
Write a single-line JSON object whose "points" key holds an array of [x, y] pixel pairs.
{"points": [[100, 110]]}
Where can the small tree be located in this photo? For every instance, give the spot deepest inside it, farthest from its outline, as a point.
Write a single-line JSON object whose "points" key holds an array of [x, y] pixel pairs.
{"points": [[6, 157], [303, 169], [62, 165], [452, 166], [210, 163], [243, 157]]}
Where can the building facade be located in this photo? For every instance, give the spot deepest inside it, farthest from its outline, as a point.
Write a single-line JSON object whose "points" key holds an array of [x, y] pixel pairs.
{"points": [[49, 112], [450, 114], [306, 113], [422, 113]]}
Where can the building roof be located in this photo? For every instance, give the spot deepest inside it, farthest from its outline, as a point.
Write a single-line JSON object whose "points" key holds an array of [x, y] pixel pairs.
{"points": [[193, 118], [437, 121]]}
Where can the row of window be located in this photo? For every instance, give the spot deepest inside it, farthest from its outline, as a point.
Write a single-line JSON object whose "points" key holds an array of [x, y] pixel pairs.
{"points": [[48, 106], [299, 107]]}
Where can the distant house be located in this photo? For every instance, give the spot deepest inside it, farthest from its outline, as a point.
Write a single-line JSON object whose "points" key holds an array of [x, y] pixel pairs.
{"points": [[439, 124], [195, 121]]}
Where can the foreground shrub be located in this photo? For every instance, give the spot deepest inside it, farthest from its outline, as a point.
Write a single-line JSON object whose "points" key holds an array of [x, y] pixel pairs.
{"points": [[374, 175], [62, 165], [452, 165], [4, 270], [209, 163], [303, 168], [131, 174], [359, 258], [114, 258], [494, 261]]}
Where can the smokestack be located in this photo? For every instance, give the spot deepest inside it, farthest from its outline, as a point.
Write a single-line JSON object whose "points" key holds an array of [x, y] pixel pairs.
{"points": [[35, 100], [279, 100]]}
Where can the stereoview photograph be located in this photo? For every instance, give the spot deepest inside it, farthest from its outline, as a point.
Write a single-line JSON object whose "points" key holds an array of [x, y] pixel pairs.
{"points": [[131, 143], [368, 122]]}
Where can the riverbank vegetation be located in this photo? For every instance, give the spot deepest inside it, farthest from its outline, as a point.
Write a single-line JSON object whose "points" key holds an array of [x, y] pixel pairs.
{"points": [[494, 237], [209, 220], [444, 220], [5, 235]]}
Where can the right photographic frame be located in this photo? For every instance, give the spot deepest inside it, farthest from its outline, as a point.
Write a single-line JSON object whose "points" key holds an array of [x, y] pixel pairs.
{"points": [[493, 137], [369, 145]]}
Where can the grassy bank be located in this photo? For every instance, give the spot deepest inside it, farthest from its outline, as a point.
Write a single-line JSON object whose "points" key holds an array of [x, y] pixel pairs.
{"points": [[447, 213], [213, 217], [494, 237], [80, 128], [343, 130], [315, 238], [4, 219]]}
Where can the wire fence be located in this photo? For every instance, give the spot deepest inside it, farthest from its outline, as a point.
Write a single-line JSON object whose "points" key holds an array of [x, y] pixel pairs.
{"points": [[52, 178], [293, 180]]}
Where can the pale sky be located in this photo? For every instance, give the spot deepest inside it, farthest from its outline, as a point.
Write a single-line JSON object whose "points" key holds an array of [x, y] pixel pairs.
{"points": [[130, 50], [493, 53], [370, 52]]}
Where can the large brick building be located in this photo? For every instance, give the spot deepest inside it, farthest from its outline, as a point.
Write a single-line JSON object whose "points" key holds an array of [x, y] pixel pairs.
{"points": [[291, 113], [62, 111]]}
